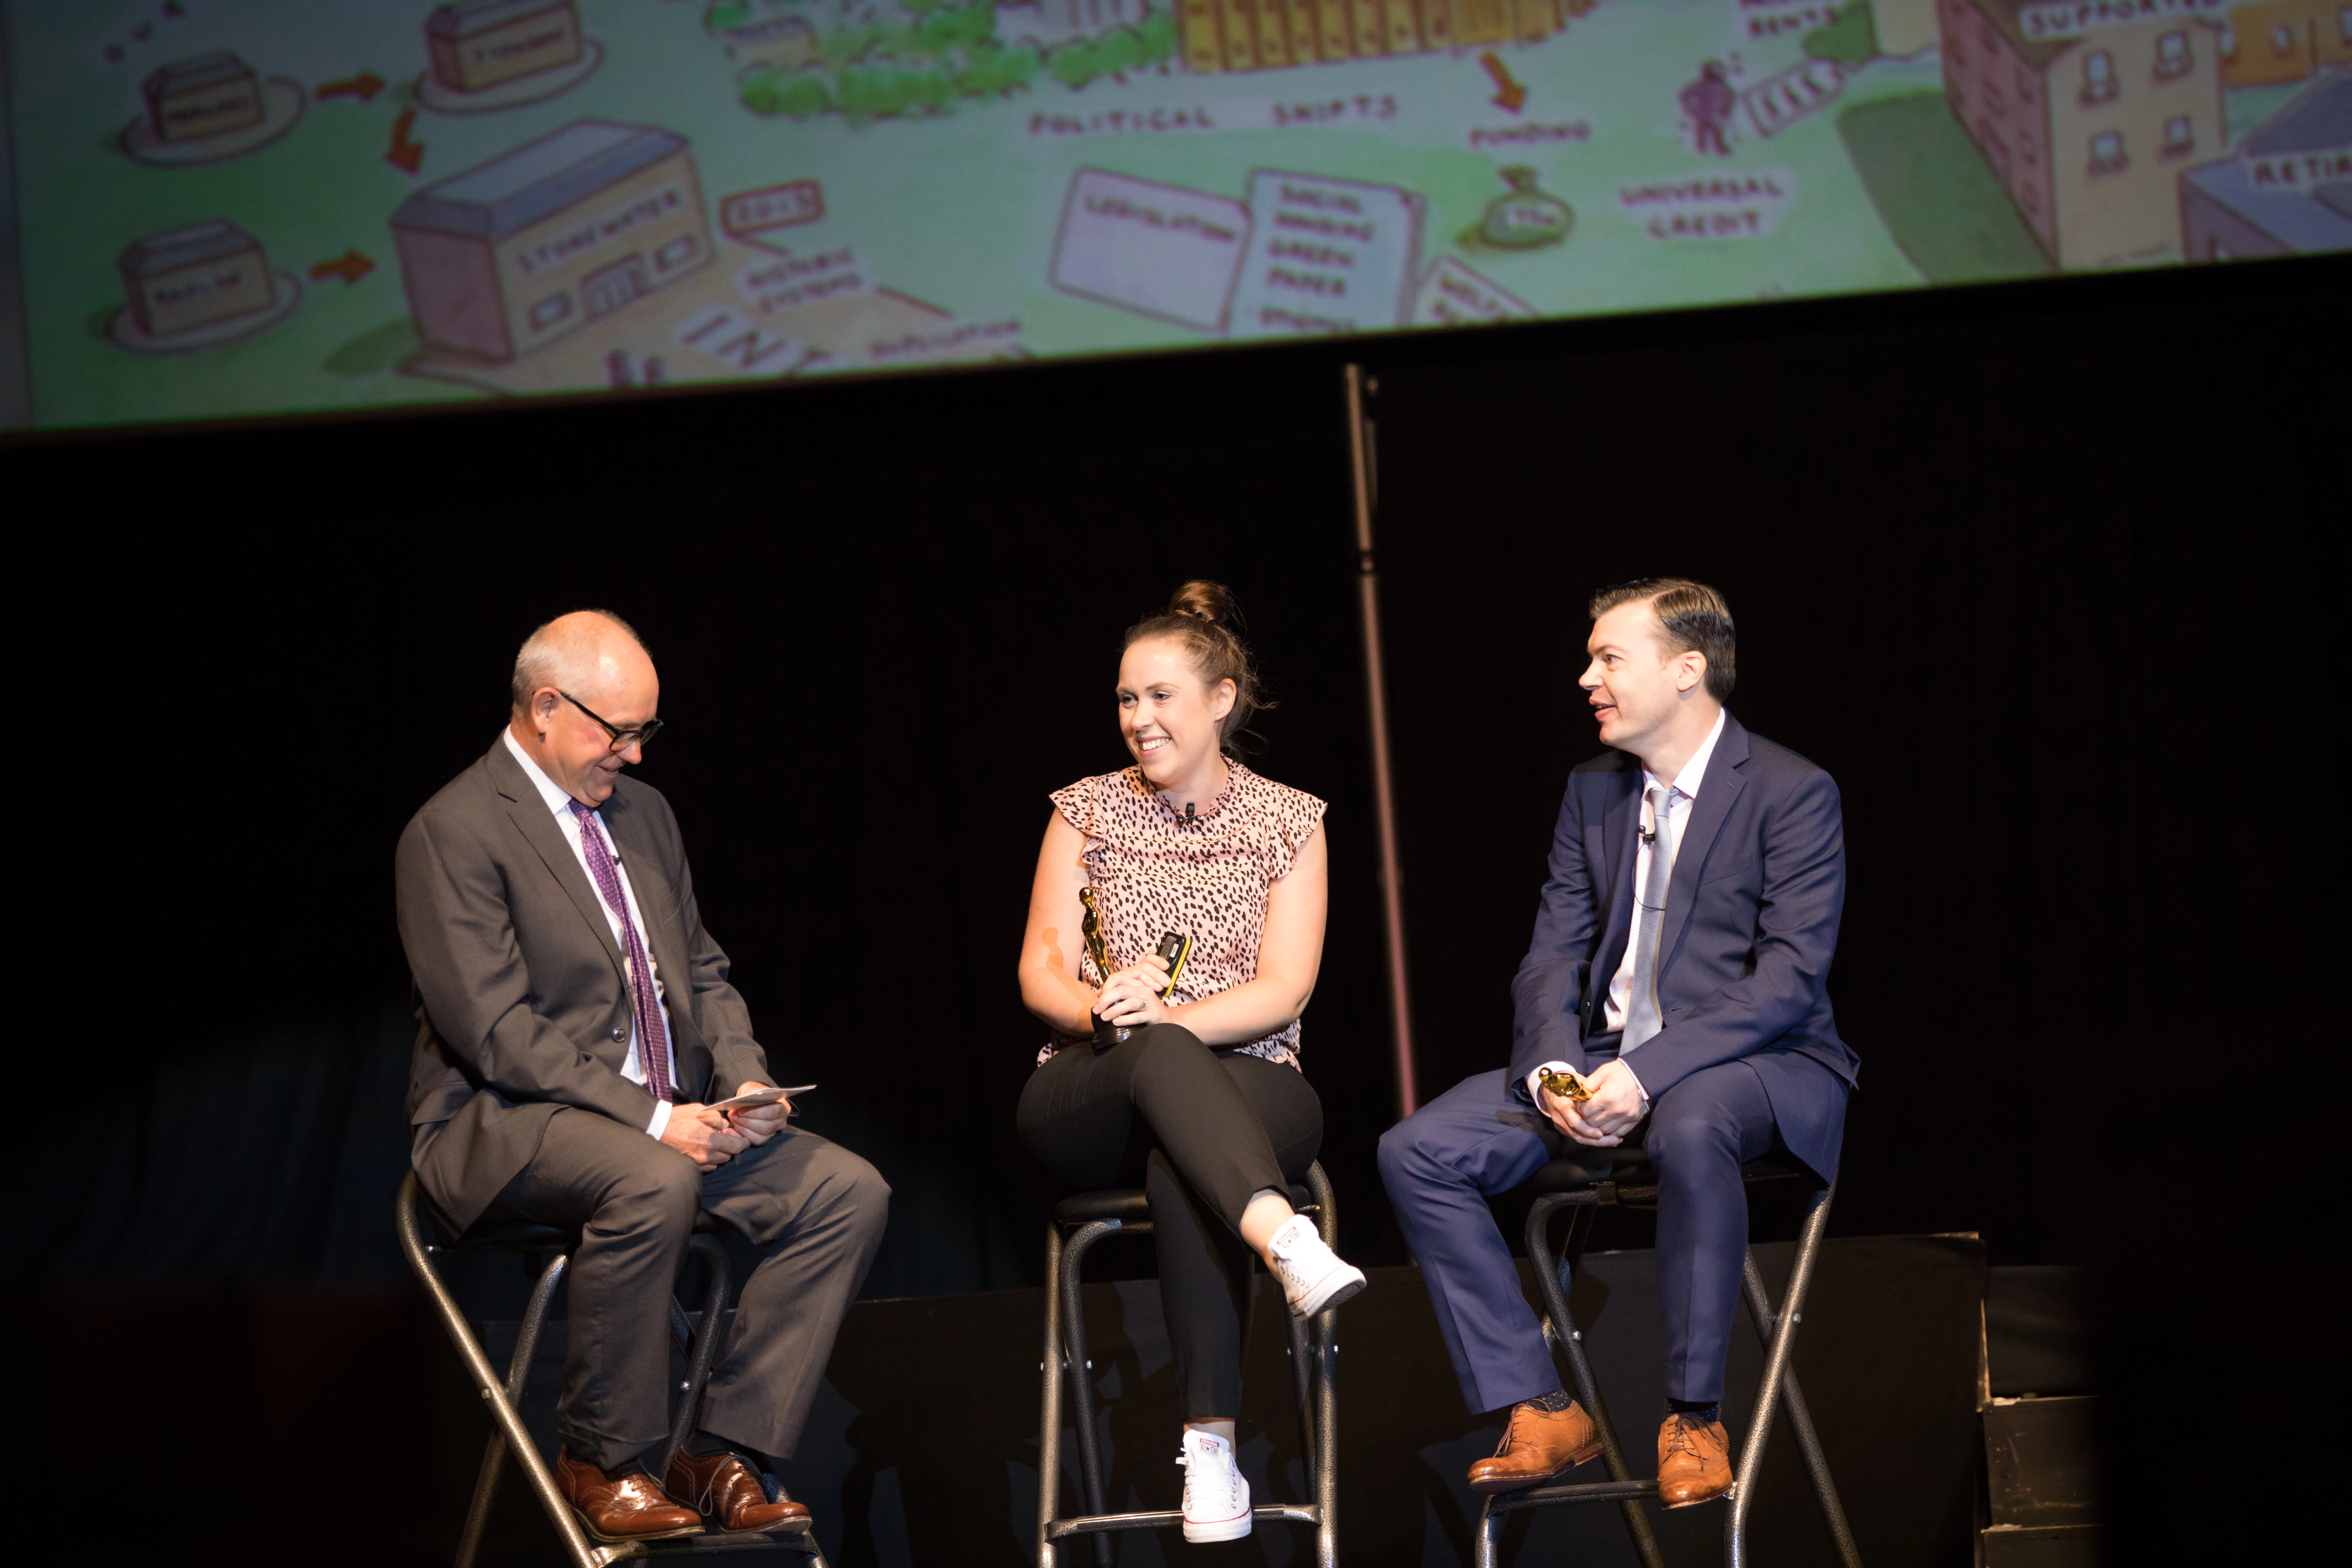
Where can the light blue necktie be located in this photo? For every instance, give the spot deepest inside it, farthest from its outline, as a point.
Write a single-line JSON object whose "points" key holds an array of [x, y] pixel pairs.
{"points": [[1642, 1017]]}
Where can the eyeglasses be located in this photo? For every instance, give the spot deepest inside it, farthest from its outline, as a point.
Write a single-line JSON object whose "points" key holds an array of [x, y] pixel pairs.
{"points": [[621, 739]]}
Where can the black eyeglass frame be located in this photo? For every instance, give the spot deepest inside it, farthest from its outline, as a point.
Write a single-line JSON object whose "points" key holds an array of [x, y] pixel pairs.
{"points": [[621, 739]]}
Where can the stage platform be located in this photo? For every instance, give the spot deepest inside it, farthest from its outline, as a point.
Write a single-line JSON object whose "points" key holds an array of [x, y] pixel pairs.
{"points": [[922, 1450]]}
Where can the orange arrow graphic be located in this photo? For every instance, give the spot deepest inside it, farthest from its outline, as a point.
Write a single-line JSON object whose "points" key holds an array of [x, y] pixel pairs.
{"points": [[404, 154], [1508, 94], [351, 266], [363, 87]]}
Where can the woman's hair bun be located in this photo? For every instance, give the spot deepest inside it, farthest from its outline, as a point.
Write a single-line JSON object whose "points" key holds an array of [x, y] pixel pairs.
{"points": [[1206, 601]]}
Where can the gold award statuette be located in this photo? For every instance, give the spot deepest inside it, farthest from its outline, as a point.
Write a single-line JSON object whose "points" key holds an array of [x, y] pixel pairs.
{"points": [[1567, 1084], [1174, 950]]}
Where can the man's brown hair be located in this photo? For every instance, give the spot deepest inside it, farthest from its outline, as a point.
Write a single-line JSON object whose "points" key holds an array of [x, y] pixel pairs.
{"points": [[1692, 617]]}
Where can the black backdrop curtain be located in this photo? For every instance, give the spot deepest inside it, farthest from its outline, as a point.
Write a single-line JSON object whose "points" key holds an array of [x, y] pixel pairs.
{"points": [[2037, 571]]}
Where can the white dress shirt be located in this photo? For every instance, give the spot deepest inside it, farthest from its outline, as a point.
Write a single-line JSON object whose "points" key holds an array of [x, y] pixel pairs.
{"points": [[1620, 999], [568, 821]]}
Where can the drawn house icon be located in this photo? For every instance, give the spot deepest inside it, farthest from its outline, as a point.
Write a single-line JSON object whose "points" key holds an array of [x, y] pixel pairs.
{"points": [[536, 242], [2086, 124], [2287, 189], [476, 44], [190, 99]]}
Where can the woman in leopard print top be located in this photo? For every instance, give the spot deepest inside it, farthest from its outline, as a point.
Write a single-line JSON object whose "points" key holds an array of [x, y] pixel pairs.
{"points": [[1205, 1108]]}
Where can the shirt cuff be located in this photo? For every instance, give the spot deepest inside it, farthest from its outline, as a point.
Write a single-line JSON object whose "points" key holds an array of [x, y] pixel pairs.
{"points": [[1535, 1078], [1638, 1087], [660, 1123]]}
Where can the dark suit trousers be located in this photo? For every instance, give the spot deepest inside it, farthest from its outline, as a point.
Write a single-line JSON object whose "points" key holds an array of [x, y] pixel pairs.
{"points": [[812, 1210], [1477, 1139], [1200, 1132]]}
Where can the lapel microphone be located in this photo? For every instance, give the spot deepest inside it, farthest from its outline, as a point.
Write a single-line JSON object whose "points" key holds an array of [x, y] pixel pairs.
{"points": [[1188, 814]]}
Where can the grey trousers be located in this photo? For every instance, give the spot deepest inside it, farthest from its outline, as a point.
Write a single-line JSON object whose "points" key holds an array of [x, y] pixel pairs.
{"points": [[812, 1210]]}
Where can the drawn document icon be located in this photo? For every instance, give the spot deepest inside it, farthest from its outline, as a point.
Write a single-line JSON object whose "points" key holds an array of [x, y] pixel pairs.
{"points": [[1327, 255], [1158, 251]]}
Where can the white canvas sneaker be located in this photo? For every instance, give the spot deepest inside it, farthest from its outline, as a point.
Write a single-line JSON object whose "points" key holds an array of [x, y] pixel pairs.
{"points": [[1312, 1275], [1216, 1499]]}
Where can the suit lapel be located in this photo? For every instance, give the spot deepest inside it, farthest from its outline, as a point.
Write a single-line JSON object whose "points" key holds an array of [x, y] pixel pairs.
{"points": [[538, 827], [1716, 793], [1618, 824]]}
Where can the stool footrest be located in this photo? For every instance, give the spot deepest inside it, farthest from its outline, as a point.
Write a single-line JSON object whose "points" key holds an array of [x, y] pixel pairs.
{"points": [[1583, 1491], [787, 1538], [1168, 1518]]}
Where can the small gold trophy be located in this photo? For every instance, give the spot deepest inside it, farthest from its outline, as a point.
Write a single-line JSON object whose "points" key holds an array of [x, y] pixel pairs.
{"points": [[1567, 1084], [1174, 948]]}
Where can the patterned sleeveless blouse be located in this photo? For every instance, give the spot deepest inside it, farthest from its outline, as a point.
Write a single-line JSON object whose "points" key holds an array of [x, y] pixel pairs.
{"points": [[1153, 872]]}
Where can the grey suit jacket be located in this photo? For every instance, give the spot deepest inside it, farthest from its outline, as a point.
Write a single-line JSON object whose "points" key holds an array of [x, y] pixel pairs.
{"points": [[521, 1000]]}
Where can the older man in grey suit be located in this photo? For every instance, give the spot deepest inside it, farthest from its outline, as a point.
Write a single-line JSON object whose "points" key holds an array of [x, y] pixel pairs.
{"points": [[577, 1022]]}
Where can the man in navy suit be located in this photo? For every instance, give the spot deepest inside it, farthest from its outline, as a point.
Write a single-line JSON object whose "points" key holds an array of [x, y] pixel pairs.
{"points": [[1698, 873]]}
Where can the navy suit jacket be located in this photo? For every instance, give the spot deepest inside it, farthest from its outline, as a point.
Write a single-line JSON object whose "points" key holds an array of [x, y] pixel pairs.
{"points": [[1750, 923]]}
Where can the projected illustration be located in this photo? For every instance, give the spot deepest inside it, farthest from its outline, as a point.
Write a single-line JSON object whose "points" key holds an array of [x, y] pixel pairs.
{"points": [[237, 207]]}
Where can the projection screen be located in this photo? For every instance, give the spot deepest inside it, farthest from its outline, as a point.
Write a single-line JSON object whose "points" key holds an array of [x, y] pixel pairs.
{"points": [[231, 208]]}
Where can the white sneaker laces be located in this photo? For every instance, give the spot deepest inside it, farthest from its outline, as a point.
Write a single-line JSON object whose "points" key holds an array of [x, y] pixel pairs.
{"points": [[1312, 1273], [1214, 1491]]}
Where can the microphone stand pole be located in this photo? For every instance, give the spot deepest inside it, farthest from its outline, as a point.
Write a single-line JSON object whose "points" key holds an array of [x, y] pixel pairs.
{"points": [[1367, 591]]}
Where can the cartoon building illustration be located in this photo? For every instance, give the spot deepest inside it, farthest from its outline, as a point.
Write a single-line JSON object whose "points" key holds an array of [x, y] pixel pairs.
{"points": [[182, 279], [518, 251], [1046, 23], [190, 99], [779, 43], [477, 44], [2086, 113], [1266, 35], [2275, 41], [2288, 189], [1903, 27]]}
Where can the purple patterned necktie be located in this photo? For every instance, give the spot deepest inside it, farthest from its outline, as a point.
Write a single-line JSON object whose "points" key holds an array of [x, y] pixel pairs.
{"points": [[653, 1038]]}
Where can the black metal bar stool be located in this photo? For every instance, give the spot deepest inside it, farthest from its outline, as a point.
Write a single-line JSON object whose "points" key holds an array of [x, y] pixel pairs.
{"points": [[416, 1221], [1583, 1182], [1079, 1223]]}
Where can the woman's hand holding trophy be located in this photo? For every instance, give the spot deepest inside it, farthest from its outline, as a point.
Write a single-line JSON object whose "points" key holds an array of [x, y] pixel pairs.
{"points": [[1135, 997]]}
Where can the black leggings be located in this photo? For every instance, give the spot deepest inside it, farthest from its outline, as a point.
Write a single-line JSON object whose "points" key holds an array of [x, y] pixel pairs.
{"points": [[1200, 1131]]}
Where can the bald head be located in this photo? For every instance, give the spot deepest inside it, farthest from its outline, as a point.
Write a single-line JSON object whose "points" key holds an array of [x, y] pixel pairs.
{"points": [[585, 653], [576, 675]]}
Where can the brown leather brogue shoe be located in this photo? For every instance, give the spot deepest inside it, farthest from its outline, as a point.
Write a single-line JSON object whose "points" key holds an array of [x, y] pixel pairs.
{"points": [[729, 1495], [1537, 1446], [621, 1507], [1693, 1461]]}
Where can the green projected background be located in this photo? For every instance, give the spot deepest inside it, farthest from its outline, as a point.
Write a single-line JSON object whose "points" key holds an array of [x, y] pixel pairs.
{"points": [[252, 206]]}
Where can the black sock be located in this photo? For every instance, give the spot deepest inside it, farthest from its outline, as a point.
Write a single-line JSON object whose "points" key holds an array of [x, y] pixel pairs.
{"points": [[1704, 1410], [703, 1445], [1558, 1400]]}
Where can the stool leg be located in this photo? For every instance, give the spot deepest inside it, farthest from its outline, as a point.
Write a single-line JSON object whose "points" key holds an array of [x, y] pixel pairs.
{"points": [[1302, 1385], [1553, 1276], [1487, 1536], [702, 1348], [1800, 1420], [1769, 1397], [1049, 1414], [805, 1541], [494, 1452], [486, 1382], [1323, 1462], [1326, 1472], [1082, 1391]]}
